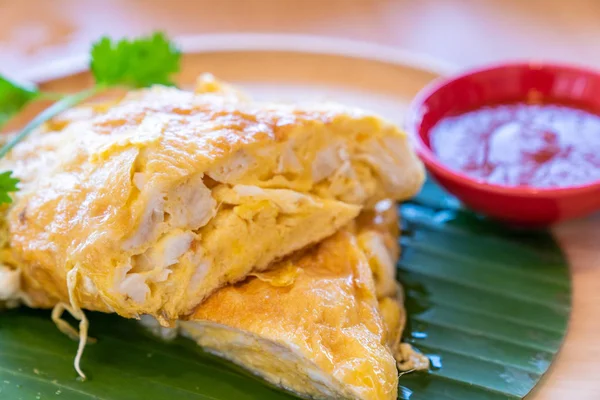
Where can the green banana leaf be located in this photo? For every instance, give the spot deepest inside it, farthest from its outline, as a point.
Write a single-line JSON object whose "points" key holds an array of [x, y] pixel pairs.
{"points": [[489, 305]]}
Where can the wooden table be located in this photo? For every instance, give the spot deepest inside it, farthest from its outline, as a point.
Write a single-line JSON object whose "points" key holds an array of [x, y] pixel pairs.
{"points": [[465, 33]]}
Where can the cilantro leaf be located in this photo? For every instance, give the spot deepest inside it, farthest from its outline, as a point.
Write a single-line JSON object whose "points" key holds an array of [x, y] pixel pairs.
{"points": [[7, 184], [138, 63], [132, 63], [13, 98]]}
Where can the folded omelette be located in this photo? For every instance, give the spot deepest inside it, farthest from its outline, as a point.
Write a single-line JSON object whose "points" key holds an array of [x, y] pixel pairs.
{"points": [[148, 204], [323, 323], [266, 231]]}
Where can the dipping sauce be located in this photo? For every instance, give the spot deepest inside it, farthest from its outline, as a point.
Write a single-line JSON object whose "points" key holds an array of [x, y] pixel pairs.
{"points": [[520, 144]]}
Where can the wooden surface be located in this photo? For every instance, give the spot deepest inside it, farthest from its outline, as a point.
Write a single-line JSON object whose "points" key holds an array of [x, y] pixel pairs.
{"points": [[462, 32]]}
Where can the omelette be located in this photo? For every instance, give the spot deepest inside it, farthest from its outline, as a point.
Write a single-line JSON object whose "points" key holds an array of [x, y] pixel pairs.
{"points": [[323, 323], [147, 204], [193, 205]]}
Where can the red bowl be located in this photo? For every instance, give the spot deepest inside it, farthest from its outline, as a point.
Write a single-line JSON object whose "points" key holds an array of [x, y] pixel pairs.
{"points": [[527, 206]]}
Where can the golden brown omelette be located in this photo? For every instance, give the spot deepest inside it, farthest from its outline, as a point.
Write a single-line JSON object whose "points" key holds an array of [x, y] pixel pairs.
{"points": [[323, 323], [148, 204]]}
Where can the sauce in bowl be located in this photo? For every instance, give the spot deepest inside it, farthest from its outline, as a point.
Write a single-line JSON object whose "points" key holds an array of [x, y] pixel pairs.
{"points": [[521, 144]]}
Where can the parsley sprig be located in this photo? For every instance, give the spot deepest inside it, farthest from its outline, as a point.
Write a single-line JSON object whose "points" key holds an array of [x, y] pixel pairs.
{"points": [[7, 184], [126, 63], [138, 63], [13, 97]]}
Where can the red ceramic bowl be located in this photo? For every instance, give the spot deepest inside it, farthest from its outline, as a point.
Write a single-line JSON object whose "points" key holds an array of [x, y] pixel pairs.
{"points": [[527, 206]]}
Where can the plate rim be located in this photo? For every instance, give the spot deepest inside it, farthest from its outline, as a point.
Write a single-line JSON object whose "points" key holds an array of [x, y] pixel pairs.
{"points": [[248, 42]]}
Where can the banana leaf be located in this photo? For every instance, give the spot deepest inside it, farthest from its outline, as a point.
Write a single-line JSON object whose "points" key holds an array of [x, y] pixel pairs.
{"points": [[488, 304]]}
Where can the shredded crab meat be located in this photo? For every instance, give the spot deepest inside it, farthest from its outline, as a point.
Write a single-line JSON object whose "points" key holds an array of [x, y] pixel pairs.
{"points": [[10, 287], [154, 327], [78, 314], [408, 359], [68, 330]]}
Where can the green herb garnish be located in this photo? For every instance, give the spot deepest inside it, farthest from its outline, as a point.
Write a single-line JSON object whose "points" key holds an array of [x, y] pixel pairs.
{"points": [[7, 184], [13, 98], [133, 63]]}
